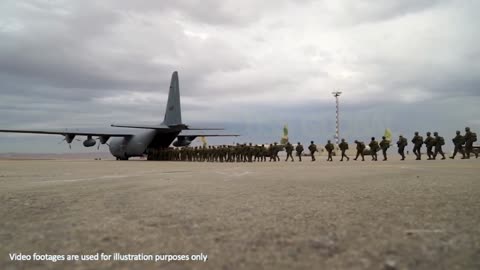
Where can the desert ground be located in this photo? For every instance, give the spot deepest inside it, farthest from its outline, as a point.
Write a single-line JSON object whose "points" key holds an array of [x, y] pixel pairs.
{"points": [[286, 215]]}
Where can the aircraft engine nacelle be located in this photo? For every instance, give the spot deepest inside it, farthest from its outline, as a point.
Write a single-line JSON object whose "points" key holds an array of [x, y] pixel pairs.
{"points": [[103, 139], [89, 142], [181, 142], [69, 138]]}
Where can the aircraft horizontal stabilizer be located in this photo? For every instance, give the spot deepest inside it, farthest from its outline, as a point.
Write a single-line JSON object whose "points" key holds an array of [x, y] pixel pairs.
{"points": [[198, 128], [188, 133], [156, 127]]}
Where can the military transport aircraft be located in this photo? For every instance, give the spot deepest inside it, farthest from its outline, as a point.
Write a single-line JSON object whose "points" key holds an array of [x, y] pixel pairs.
{"points": [[124, 145]]}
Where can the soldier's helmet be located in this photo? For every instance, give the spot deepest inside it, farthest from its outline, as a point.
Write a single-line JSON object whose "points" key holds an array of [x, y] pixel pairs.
{"points": [[383, 137], [343, 140], [250, 144], [263, 145], [373, 138], [458, 132], [298, 142], [356, 141], [467, 129], [428, 133], [416, 133], [401, 136], [311, 142], [435, 133], [328, 141], [275, 143]]}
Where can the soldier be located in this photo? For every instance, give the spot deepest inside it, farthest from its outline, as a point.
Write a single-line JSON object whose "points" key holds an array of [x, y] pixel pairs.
{"points": [[276, 150], [264, 153], [329, 147], [384, 145], [256, 153], [470, 138], [195, 153], [343, 147], [245, 152], [270, 152], [458, 141], [250, 152], [429, 142], [402, 143], [299, 150], [313, 148], [374, 147], [360, 148], [417, 145], [439, 142], [289, 149]]}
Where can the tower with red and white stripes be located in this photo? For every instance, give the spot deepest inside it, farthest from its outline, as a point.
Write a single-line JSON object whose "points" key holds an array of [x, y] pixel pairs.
{"points": [[336, 94]]}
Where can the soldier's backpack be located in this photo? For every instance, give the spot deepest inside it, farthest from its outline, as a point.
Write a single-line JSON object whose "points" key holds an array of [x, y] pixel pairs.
{"points": [[474, 136], [441, 140]]}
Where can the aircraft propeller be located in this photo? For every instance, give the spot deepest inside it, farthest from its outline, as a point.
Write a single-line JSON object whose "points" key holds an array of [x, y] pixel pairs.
{"points": [[102, 140], [69, 141]]}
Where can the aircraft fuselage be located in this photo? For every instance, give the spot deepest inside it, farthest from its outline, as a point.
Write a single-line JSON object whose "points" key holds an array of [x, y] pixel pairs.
{"points": [[136, 145]]}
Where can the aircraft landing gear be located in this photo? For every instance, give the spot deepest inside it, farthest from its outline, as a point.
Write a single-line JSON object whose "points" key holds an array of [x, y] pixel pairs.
{"points": [[125, 157]]}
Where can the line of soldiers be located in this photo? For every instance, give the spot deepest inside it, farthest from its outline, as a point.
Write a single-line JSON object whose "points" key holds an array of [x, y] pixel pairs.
{"points": [[260, 153], [433, 144], [223, 153]]}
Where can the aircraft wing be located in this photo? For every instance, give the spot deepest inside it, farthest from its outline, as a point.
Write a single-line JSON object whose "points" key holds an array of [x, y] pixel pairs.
{"points": [[69, 132]]}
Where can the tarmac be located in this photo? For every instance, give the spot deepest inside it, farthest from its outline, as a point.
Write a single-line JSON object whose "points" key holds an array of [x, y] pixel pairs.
{"points": [[284, 215]]}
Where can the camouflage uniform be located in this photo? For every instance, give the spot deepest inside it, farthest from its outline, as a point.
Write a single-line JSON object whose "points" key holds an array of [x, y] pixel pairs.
{"points": [[271, 153], [250, 153], [384, 145], [402, 143], [329, 147], [458, 141], [264, 153], [470, 138], [289, 149], [429, 143], [374, 147], [299, 150], [313, 148], [439, 142], [276, 150], [417, 145], [360, 148], [343, 148]]}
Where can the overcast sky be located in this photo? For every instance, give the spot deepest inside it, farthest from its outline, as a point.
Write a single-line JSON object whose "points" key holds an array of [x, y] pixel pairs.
{"points": [[251, 66]]}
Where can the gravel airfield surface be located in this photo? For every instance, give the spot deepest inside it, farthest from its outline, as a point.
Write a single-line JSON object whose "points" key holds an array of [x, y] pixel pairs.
{"points": [[284, 215]]}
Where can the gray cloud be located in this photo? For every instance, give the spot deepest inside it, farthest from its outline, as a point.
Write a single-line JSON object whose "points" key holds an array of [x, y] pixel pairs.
{"points": [[252, 66]]}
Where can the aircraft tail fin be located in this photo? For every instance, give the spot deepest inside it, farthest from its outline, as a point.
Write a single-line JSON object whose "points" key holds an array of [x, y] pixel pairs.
{"points": [[173, 112]]}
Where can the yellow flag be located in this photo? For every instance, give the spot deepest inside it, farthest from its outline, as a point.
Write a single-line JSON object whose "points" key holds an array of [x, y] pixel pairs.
{"points": [[388, 134], [204, 141]]}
